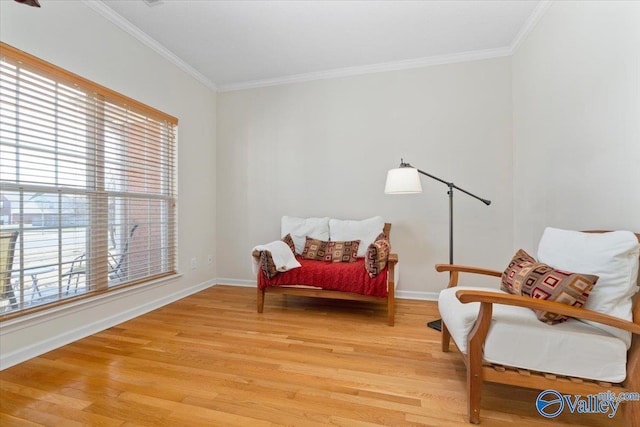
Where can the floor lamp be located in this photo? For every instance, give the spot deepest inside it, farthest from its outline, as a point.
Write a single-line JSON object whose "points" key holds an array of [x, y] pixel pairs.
{"points": [[405, 180]]}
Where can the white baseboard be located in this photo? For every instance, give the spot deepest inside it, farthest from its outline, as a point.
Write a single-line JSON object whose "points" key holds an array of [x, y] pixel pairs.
{"points": [[415, 295], [67, 336], [235, 282]]}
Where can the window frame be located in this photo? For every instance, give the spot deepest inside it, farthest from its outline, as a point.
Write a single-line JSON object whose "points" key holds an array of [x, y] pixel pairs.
{"points": [[100, 275]]}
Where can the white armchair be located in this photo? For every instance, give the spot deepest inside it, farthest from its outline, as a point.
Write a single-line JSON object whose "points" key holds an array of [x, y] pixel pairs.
{"points": [[596, 350]]}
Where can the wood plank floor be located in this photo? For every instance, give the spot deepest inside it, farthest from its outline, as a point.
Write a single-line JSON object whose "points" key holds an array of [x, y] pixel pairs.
{"points": [[211, 360]]}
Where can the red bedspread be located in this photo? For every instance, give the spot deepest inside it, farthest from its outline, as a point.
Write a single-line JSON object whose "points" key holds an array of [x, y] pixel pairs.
{"points": [[337, 276]]}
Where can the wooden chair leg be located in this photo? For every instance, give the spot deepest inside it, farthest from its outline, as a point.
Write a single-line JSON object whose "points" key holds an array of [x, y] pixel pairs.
{"points": [[446, 337], [631, 412], [474, 393], [631, 409], [474, 361], [260, 300]]}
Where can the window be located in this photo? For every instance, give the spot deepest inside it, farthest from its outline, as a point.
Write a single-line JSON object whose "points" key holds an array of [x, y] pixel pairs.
{"points": [[87, 187]]}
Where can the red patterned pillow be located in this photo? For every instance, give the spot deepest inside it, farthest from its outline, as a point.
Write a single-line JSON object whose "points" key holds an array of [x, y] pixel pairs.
{"points": [[538, 280], [314, 249], [343, 251], [377, 255], [519, 261], [289, 241], [267, 265], [320, 250], [33, 3]]}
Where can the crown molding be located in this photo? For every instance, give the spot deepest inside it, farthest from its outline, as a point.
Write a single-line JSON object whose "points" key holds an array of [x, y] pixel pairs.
{"points": [[370, 69], [147, 40], [143, 37], [530, 24]]}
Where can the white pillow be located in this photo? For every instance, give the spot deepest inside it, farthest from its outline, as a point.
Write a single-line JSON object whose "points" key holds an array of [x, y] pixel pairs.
{"points": [[613, 257], [299, 228], [366, 231]]}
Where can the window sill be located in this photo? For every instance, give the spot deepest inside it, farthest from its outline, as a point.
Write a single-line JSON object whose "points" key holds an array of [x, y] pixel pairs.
{"points": [[46, 315]]}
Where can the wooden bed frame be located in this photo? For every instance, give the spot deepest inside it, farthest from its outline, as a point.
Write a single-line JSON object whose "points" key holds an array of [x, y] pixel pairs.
{"points": [[323, 293], [479, 370]]}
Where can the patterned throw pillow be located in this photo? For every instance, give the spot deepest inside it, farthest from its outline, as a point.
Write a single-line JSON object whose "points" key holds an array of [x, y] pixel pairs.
{"points": [[314, 249], [343, 251], [33, 3], [538, 280], [377, 255], [321, 250], [519, 261], [267, 265], [289, 241]]}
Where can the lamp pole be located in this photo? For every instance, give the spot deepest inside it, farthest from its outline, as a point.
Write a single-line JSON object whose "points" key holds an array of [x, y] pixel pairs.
{"points": [[411, 187], [451, 186], [407, 181]]}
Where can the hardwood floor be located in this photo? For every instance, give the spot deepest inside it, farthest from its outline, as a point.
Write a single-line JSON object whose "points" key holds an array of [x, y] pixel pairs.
{"points": [[211, 360]]}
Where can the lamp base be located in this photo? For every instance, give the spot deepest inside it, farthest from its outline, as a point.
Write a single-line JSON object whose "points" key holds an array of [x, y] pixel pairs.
{"points": [[435, 324]]}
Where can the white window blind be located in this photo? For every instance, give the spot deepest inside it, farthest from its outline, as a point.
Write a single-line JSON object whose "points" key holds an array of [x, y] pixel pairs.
{"points": [[87, 187]]}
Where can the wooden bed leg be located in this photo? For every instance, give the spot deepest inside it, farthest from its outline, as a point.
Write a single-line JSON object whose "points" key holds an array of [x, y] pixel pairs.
{"points": [[260, 300], [391, 294], [446, 337], [391, 308]]}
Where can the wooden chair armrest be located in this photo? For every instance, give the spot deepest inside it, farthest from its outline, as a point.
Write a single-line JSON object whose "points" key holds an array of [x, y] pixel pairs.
{"points": [[486, 297], [466, 269], [455, 270]]}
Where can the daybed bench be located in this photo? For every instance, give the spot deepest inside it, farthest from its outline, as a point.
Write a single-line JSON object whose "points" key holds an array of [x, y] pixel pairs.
{"points": [[326, 279]]}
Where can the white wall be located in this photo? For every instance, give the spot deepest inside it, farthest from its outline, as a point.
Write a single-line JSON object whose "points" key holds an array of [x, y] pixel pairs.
{"points": [[576, 89], [551, 136], [323, 149], [73, 36]]}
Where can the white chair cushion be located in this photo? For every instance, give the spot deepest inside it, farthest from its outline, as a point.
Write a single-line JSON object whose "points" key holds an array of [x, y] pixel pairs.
{"points": [[366, 231], [299, 228], [517, 338], [613, 257]]}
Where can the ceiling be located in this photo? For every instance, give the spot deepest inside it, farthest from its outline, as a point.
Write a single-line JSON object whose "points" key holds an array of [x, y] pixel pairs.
{"points": [[238, 44]]}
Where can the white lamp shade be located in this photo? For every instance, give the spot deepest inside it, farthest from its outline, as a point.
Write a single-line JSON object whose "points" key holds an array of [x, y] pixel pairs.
{"points": [[403, 181]]}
